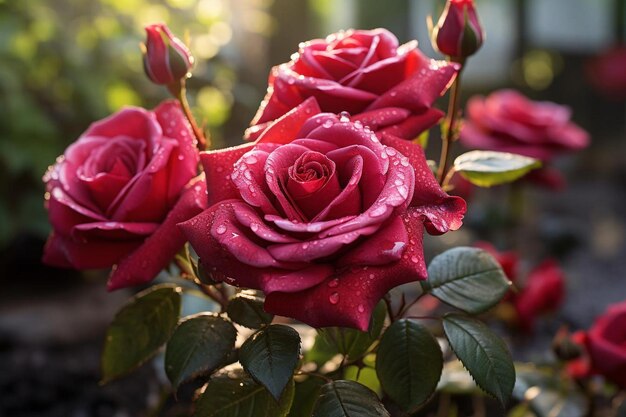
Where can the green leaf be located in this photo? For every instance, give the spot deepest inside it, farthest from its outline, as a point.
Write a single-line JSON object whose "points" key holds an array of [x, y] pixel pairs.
{"points": [[364, 375], [200, 273], [139, 329], [408, 363], [354, 343], [270, 356], [483, 354], [236, 395], [322, 351], [247, 309], [306, 395], [199, 346], [348, 399], [469, 279], [489, 168]]}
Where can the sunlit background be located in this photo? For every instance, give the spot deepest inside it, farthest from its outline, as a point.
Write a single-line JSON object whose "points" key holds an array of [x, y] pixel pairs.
{"points": [[66, 63]]}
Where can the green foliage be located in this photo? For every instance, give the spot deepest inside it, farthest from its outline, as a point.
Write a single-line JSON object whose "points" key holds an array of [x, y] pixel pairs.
{"points": [[305, 397], [489, 168], [348, 399], [246, 309], [198, 346], [139, 330], [469, 279], [354, 343], [270, 356], [235, 394], [408, 363], [483, 354]]}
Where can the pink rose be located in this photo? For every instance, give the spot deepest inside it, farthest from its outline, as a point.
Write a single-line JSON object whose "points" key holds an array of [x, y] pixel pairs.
{"points": [[509, 122], [116, 194], [387, 87], [605, 347], [321, 216]]}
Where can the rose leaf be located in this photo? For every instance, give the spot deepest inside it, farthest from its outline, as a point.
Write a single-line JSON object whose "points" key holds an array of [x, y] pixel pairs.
{"points": [[270, 356], [139, 329], [469, 279], [483, 354], [348, 399], [408, 363], [489, 168], [199, 345]]}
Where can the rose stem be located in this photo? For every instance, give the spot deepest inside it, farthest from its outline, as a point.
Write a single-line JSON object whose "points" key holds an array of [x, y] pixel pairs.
{"points": [[448, 138], [179, 91]]}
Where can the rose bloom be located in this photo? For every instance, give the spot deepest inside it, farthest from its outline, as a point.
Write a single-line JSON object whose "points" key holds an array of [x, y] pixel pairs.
{"points": [[118, 192], [509, 122], [607, 73], [387, 87], [321, 216], [605, 347]]}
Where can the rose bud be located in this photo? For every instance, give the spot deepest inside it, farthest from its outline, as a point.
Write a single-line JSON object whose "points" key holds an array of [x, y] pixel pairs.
{"points": [[564, 347], [320, 215], [166, 59], [458, 33]]}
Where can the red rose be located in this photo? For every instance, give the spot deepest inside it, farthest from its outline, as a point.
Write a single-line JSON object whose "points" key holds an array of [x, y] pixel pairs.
{"points": [[387, 87], [607, 73], [509, 122], [605, 346], [542, 293], [321, 216], [118, 192]]}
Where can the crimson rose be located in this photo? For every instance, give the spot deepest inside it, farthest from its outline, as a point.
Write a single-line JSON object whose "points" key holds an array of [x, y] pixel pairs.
{"points": [[509, 122], [605, 346], [387, 87], [116, 194], [321, 216]]}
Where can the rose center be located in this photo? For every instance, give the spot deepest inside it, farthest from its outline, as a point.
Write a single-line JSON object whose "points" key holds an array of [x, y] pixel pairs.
{"points": [[309, 173], [122, 157]]}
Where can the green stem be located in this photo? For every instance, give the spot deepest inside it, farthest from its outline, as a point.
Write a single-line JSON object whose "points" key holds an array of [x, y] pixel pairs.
{"points": [[179, 91], [449, 137]]}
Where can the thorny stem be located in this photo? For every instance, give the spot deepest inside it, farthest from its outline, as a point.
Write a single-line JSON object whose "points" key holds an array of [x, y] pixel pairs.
{"points": [[179, 91], [448, 138]]}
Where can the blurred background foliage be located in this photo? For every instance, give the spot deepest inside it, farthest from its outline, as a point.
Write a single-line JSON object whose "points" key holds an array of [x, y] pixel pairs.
{"points": [[66, 63]]}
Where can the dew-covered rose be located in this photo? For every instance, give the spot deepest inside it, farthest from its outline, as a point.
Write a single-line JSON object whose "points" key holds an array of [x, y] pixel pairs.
{"points": [[605, 347], [388, 87], [507, 121], [321, 216], [117, 193]]}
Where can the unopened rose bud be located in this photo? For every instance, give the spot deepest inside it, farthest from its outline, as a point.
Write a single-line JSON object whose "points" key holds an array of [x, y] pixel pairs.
{"points": [[166, 59], [458, 33], [564, 347]]}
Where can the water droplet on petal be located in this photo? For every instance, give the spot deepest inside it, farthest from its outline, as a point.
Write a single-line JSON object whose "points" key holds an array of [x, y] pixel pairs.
{"points": [[327, 124], [358, 125], [361, 308], [251, 159], [344, 116], [333, 298], [221, 229], [333, 283], [254, 227], [414, 259]]}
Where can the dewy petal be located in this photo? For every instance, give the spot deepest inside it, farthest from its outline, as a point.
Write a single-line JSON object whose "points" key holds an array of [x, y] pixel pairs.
{"points": [[348, 297], [250, 179], [222, 263], [414, 125], [134, 122], [418, 92], [218, 167], [143, 264], [65, 252], [384, 247], [112, 231], [183, 164], [440, 211], [284, 129]]}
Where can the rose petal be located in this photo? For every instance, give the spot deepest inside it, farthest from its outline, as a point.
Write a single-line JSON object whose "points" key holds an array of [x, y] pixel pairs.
{"points": [[112, 231], [382, 248], [440, 211], [414, 125], [351, 294], [417, 93], [218, 166], [155, 253], [284, 129]]}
